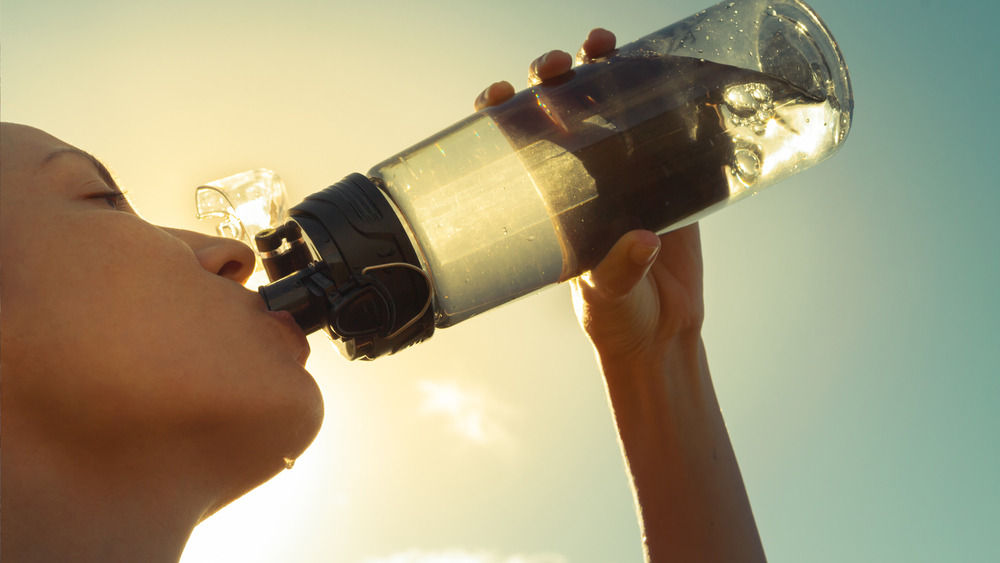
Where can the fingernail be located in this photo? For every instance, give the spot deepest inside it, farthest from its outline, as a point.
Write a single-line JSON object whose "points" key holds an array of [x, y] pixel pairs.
{"points": [[642, 255], [484, 97]]}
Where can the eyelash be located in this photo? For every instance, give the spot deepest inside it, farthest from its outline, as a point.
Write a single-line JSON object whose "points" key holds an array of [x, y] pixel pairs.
{"points": [[116, 200]]}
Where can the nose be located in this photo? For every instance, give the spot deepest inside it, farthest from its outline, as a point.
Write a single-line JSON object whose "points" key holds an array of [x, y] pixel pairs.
{"points": [[224, 257]]}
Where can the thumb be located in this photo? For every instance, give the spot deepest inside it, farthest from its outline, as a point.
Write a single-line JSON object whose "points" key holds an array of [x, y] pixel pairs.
{"points": [[626, 263]]}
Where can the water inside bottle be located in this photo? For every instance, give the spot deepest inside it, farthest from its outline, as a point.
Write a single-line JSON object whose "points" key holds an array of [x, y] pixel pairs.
{"points": [[537, 190], [483, 228]]}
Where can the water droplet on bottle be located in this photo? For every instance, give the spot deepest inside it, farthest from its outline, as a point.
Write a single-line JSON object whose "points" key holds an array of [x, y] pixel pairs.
{"points": [[505, 230], [771, 12], [746, 166], [289, 463], [531, 238]]}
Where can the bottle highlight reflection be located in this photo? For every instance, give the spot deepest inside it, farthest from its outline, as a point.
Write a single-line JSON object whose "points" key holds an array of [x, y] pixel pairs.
{"points": [[656, 135]]}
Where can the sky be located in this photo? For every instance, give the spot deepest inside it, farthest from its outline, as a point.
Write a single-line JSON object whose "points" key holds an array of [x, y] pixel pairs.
{"points": [[853, 310]]}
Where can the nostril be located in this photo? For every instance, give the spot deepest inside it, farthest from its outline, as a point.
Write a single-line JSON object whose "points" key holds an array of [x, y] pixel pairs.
{"points": [[230, 269]]}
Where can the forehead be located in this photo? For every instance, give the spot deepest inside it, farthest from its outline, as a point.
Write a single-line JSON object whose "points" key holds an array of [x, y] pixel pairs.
{"points": [[23, 149], [23, 145]]}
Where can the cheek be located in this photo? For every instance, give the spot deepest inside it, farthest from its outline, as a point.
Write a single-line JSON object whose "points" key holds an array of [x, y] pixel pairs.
{"points": [[120, 272], [97, 311], [117, 328]]}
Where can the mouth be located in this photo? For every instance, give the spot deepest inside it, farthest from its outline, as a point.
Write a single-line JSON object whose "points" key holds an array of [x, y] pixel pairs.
{"points": [[287, 320]]}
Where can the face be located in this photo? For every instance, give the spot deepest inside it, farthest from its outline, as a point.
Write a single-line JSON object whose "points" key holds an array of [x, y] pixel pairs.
{"points": [[120, 336]]}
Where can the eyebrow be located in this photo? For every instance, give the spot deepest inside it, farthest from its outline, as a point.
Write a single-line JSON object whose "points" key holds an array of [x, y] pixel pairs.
{"points": [[102, 170]]}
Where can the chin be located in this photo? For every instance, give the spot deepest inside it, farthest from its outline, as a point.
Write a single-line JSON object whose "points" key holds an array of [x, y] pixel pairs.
{"points": [[254, 443], [297, 420]]}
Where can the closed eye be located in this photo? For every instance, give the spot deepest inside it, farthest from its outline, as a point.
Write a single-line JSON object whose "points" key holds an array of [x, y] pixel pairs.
{"points": [[114, 200]]}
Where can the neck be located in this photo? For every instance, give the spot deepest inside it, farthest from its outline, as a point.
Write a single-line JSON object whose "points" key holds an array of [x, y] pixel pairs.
{"points": [[65, 505]]}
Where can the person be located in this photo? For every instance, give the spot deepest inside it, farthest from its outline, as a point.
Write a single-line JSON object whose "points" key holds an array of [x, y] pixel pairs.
{"points": [[144, 388]]}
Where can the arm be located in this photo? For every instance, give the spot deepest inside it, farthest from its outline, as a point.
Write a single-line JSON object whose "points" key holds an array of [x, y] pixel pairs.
{"points": [[689, 494], [687, 486], [644, 320], [642, 309]]}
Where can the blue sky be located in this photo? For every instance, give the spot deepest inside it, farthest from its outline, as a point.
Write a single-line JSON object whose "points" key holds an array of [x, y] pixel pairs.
{"points": [[853, 310]]}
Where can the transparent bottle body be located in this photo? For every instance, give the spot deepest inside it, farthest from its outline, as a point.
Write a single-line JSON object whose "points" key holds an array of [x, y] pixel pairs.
{"points": [[537, 190]]}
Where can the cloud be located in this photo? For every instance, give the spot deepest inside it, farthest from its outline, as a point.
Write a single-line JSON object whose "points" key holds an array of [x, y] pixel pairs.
{"points": [[470, 414], [462, 556]]}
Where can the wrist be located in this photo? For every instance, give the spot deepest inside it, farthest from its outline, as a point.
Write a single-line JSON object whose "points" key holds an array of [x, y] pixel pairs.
{"points": [[683, 352]]}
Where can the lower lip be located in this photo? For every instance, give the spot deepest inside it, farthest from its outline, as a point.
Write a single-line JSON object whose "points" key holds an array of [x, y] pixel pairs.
{"points": [[286, 318]]}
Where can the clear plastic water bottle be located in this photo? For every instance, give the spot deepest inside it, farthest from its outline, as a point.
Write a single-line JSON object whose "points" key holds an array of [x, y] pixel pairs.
{"points": [[655, 135]]}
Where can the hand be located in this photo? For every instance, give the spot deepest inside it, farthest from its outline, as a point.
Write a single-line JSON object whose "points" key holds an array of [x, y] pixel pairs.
{"points": [[647, 291], [549, 65], [645, 295]]}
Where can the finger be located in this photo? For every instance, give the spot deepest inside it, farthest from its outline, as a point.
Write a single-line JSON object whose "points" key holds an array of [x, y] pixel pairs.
{"points": [[496, 94], [626, 264], [549, 65], [599, 42]]}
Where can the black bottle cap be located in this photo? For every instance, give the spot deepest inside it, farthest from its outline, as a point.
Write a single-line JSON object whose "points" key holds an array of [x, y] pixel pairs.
{"points": [[368, 276]]}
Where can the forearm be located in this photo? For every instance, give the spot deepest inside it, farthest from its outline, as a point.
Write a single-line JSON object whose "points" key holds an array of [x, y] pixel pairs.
{"points": [[689, 493]]}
